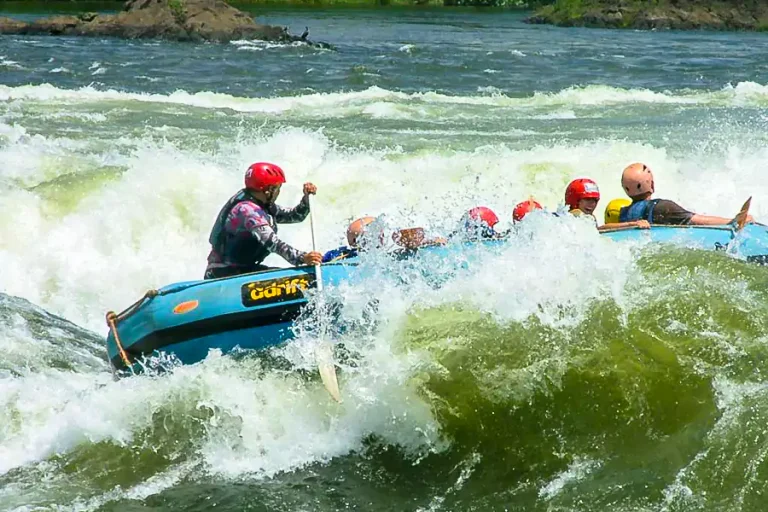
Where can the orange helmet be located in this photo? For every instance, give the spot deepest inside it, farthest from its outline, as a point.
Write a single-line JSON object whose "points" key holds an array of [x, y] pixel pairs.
{"points": [[637, 179], [357, 228]]}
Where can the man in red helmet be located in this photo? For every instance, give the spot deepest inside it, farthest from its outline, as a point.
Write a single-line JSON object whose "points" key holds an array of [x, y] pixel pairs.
{"points": [[582, 196], [245, 231]]}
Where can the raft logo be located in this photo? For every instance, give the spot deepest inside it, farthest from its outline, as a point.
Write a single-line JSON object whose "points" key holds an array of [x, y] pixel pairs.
{"points": [[276, 290]]}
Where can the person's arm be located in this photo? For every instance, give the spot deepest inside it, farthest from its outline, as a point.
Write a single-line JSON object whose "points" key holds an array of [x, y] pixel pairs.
{"points": [[712, 220], [269, 239], [642, 224], [257, 224], [299, 212], [708, 220]]}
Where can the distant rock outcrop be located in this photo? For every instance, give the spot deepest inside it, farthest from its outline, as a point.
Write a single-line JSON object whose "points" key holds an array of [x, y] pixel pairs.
{"points": [[179, 20], [660, 14]]}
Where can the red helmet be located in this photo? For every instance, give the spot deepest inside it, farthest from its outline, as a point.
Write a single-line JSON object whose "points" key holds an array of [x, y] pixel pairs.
{"points": [[262, 175], [524, 208], [483, 214], [582, 188]]}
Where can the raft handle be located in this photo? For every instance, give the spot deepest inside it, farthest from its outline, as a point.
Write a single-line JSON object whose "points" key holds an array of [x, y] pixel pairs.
{"points": [[111, 318]]}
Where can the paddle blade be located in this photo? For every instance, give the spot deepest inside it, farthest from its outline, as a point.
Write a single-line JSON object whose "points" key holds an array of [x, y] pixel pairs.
{"points": [[741, 217], [328, 370]]}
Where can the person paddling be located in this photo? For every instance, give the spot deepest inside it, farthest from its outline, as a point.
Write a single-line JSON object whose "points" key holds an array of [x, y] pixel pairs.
{"points": [[637, 181], [245, 231]]}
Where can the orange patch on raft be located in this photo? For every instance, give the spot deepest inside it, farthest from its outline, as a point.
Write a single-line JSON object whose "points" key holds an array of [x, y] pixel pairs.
{"points": [[185, 307]]}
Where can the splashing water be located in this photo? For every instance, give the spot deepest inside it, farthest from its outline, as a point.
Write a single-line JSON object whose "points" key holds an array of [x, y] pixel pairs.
{"points": [[561, 371]]}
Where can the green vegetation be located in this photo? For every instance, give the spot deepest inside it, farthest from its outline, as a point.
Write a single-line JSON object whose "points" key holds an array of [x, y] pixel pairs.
{"points": [[177, 5], [657, 14], [520, 4], [178, 10]]}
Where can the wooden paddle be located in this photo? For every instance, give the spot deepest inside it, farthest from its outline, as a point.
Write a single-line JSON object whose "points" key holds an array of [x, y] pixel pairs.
{"points": [[324, 352], [741, 217]]}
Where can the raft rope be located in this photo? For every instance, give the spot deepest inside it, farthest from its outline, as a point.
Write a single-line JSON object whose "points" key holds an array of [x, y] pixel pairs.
{"points": [[151, 294], [113, 318]]}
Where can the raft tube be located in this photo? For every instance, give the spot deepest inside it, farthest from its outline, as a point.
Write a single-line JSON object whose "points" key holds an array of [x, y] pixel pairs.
{"points": [[751, 243], [255, 311], [188, 319]]}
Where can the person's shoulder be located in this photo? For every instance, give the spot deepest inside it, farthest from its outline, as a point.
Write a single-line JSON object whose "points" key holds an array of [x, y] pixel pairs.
{"points": [[248, 206], [250, 214], [579, 213]]}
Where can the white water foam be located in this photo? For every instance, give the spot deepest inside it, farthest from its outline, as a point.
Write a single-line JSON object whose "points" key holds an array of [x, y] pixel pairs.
{"points": [[148, 226], [578, 470], [8, 63], [744, 93]]}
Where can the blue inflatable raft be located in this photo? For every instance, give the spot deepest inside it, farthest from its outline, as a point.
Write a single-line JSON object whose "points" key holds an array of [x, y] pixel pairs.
{"points": [[187, 319], [751, 243], [254, 311]]}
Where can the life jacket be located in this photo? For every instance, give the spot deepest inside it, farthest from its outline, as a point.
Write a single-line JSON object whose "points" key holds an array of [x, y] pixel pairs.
{"points": [[233, 250], [576, 212], [641, 210]]}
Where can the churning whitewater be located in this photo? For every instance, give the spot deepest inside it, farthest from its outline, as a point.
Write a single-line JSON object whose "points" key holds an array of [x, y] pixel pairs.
{"points": [[563, 372]]}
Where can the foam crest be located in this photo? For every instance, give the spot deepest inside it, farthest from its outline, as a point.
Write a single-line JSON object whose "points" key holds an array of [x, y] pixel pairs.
{"points": [[742, 94], [146, 224]]}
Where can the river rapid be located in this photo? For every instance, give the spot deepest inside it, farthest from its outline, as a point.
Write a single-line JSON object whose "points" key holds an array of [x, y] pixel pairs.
{"points": [[566, 373]]}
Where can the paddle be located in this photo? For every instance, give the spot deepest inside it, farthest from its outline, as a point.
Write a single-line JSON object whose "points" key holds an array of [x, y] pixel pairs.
{"points": [[741, 218], [323, 352]]}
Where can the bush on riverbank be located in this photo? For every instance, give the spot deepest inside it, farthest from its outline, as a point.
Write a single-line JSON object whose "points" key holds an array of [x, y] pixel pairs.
{"points": [[657, 14], [520, 4]]}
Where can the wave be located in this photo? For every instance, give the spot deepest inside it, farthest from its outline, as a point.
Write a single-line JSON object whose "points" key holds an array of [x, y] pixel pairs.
{"points": [[65, 198], [742, 94], [449, 390], [565, 366]]}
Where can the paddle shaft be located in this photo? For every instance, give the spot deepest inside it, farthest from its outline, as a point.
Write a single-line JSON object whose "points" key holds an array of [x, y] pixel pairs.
{"points": [[323, 351], [318, 272]]}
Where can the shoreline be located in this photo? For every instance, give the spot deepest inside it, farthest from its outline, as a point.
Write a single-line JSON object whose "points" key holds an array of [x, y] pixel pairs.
{"points": [[724, 15], [721, 15], [489, 5]]}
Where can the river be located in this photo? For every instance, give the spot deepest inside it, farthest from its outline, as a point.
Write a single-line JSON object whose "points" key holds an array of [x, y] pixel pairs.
{"points": [[567, 374]]}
